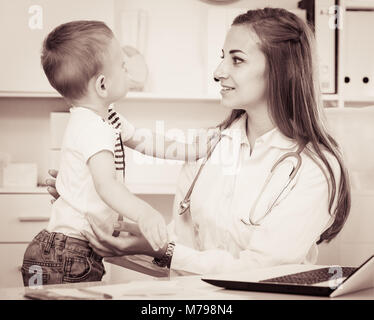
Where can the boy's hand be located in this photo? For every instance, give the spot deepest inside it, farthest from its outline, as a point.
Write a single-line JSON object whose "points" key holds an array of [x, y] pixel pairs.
{"points": [[153, 228], [51, 183]]}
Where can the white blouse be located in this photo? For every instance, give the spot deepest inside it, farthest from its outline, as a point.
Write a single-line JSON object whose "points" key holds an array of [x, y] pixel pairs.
{"points": [[213, 239]]}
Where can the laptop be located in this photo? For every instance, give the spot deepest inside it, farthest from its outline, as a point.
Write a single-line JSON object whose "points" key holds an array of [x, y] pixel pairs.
{"points": [[314, 280]]}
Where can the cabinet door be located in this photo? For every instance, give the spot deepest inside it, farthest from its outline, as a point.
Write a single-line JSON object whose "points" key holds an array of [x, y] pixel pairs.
{"points": [[22, 216], [23, 27], [10, 264]]}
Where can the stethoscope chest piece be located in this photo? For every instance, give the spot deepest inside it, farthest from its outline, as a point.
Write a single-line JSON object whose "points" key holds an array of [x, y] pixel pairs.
{"points": [[184, 206]]}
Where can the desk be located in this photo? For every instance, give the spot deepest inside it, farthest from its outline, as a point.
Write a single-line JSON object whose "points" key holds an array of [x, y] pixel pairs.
{"points": [[195, 290]]}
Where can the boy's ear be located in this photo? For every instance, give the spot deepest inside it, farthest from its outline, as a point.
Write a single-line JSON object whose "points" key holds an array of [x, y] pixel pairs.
{"points": [[100, 86]]}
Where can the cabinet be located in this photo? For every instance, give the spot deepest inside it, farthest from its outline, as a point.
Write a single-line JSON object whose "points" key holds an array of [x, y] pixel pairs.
{"points": [[357, 68], [175, 37], [23, 213], [10, 268], [22, 216], [23, 27], [179, 41], [354, 25]]}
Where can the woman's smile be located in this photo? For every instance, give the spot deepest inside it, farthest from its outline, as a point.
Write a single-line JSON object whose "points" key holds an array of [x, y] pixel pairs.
{"points": [[226, 89]]}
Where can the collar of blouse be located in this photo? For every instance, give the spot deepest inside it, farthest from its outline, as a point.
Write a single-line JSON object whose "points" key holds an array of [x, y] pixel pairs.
{"points": [[272, 138]]}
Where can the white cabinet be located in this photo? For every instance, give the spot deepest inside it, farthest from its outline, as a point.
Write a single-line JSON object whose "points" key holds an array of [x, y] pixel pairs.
{"points": [[23, 27], [181, 41], [22, 216], [325, 42], [355, 72], [10, 265]]}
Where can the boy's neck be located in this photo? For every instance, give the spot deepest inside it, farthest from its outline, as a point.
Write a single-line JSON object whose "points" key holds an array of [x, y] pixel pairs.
{"points": [[97, 106]]}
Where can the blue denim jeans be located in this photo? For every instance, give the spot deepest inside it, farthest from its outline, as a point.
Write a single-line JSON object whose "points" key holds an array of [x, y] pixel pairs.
{"points": [[54, 258]]}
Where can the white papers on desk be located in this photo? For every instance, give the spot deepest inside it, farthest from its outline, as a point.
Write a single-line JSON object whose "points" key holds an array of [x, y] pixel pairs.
{"points": [[185, 288], [180, 288], [192, 287]]}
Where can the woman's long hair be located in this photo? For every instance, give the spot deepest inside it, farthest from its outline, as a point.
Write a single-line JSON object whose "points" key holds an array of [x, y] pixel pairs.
{"points": [[294, 97]]}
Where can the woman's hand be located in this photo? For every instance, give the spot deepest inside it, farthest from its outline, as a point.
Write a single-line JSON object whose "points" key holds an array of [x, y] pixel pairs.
{"points": [[153, 228], [51, 183], [126, 244]]}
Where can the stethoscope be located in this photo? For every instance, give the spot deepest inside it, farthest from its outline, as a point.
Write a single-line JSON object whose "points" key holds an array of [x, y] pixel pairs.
{"points": [[291, 177], [186, 202]]}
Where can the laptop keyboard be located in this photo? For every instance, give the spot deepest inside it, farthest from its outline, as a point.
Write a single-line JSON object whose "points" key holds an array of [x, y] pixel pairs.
{"points": [[312, 276]]}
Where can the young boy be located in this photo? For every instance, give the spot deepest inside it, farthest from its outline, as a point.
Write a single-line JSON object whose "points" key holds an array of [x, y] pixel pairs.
{"points": [[85, 63]]}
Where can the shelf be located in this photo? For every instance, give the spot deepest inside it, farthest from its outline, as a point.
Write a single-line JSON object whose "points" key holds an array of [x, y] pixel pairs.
{"points": [[23, 190], [358, 99], [359, 4], [330, 97], [25, 94], [164, 189], [142, 96], [165, 96], [362, 192], [130, 96]]}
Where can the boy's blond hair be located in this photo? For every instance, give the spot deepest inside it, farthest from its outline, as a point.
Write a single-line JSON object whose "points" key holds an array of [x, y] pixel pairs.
{"points": [[73, 53]]}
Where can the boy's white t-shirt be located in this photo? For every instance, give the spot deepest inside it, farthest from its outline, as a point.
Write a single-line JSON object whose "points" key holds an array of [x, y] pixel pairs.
{"points": [[86, 134]]}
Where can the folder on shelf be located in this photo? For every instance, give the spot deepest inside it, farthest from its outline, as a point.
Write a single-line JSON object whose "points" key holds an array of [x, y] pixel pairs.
{"points": [[358, 56]]}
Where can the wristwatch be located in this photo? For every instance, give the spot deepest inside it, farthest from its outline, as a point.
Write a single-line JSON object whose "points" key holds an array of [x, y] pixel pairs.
{"points": [[165, 260]]}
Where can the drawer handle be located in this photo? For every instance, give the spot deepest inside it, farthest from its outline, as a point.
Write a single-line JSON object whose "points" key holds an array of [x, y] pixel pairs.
{"points": [[33, 218]]}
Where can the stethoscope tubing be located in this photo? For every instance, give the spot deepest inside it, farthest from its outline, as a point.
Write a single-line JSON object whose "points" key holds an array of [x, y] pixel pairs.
{"points": [[291, 177], [185, 204]]}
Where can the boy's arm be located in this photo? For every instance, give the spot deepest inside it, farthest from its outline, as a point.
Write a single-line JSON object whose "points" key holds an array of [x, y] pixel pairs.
{"points": [[116, 195], [159, 146]]}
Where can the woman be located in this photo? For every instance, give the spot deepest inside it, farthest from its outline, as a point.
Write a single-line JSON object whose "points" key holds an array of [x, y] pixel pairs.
{"points": [[237, 220]]}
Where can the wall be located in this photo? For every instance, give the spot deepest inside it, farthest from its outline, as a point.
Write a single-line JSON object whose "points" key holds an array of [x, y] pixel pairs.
{"points": [[24, 129], [174, 63], [182, 39], [24, 122]]}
